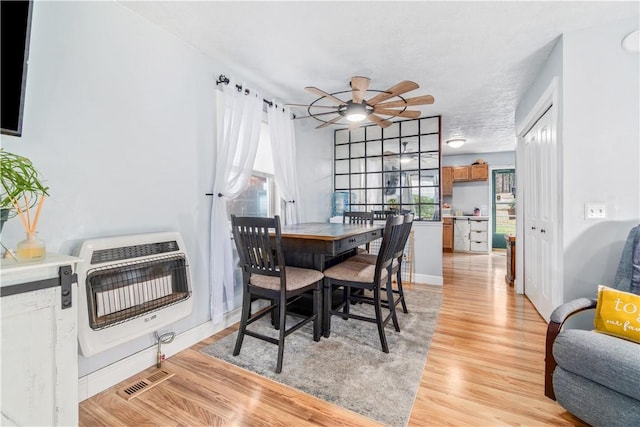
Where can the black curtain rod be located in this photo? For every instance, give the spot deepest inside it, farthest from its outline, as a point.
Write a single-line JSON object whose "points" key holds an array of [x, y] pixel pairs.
{"points": [[222, 79]]}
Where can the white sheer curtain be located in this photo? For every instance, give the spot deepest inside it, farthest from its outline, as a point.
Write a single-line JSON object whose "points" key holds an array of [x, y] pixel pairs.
{"points": [[283, 146], [238, 118]]}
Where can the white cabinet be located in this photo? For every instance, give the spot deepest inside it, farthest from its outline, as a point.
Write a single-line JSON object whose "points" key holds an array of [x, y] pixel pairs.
{"points": [[471, 234], [39, 355], [478, 235], [461, 234]]}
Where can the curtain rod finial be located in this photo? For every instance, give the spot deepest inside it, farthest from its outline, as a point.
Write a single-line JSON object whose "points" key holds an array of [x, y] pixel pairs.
{"points": [[222, 79]]}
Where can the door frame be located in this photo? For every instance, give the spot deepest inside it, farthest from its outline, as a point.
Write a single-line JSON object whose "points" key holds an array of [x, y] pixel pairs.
{"points": [[549, 98]]}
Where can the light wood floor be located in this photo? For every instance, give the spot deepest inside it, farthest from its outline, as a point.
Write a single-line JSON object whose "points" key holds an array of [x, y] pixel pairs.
{"points": [[484, 368]]}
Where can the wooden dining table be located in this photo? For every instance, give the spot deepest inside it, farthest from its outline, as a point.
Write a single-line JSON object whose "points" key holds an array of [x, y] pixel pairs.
{"points": [[319, 245]]}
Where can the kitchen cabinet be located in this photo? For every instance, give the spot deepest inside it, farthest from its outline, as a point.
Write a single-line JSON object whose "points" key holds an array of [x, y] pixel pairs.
{"points": [[461, 173], [447, 234], [471, 234], [39, 360], [470, 173], [480, 172], [447, 181]]}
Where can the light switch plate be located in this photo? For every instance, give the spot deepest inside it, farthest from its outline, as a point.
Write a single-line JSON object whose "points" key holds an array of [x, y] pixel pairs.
{"points": [[595, 210]]}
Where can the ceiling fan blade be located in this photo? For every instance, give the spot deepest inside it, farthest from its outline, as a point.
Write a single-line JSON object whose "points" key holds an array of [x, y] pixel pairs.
{"points": [[418, 100], [330, 122], [412, 114], [359, 86], [324, 94], [312, 106], [395, 90], [379, 120], [316, 114]]}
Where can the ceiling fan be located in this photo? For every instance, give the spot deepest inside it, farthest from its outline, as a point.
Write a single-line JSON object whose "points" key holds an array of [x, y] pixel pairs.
{"points": [[358, 108]]}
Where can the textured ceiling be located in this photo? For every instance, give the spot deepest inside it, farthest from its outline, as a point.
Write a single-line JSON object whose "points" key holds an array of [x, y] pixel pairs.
{"points": [[475, 58]]}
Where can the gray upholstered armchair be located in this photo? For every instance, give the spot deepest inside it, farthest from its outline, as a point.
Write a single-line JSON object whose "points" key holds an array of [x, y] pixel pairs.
{"points": [[595, 376]]}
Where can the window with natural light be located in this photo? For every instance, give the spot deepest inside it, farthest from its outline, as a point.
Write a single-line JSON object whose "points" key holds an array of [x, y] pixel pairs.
{"points": [[260, 198]]}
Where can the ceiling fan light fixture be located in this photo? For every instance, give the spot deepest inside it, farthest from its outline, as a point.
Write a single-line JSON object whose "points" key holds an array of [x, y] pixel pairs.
{"points": [[356, 112], [356, 117], [456, 143]]}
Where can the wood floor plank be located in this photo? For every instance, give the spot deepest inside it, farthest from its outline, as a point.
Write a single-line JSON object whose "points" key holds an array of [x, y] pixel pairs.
{"points": [[485, 367]]}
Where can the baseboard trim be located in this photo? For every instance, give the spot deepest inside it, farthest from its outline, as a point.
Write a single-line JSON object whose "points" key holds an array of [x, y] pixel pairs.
{"points": [[110, 375], [428, 279]]}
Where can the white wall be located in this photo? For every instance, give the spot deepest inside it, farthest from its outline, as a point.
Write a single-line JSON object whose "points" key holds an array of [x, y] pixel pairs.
{"points": [[598, 136], [601, 149], [428, 252], [119, 118], [314, 151]]}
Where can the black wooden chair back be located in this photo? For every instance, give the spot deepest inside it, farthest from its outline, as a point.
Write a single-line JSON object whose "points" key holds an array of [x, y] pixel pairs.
{"points": [[358, 218], [390, 238], [399, 255], [259, 252], [402, 241], [384, 214]]}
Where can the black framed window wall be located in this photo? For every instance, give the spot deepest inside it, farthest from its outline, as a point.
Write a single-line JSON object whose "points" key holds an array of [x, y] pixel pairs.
{"points": [[392, 169]]}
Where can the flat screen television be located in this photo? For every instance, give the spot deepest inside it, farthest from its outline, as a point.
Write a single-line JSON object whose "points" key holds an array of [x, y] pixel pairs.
{"points": [[15, 17]]}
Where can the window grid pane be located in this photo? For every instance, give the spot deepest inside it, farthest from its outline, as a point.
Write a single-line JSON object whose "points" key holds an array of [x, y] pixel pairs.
{"points": [[395, 168]]}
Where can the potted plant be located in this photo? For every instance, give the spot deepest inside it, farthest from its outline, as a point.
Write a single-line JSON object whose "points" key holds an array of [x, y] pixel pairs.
{"points": [[512, 208], [22, 191]]}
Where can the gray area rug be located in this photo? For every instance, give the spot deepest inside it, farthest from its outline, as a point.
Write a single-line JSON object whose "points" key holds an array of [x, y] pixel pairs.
{"points": [[349, 368]]}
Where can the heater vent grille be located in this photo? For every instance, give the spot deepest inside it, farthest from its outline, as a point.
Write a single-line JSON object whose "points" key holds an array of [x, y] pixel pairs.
{"points": [[134, 251], [122, 291], [139, 387]]}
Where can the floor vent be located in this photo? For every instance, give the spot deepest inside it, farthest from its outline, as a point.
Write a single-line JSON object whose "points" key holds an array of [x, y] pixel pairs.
{"points": [[139, 387]]}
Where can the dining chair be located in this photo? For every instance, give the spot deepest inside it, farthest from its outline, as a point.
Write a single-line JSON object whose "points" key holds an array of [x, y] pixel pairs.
{"points": [[359, 275], [358, 218], [265, 276], [398, 257], [363, 218], [384, 214]]}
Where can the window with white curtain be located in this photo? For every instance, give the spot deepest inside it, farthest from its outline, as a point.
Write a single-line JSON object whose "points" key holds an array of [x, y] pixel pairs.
{"points": [[260, 198]]}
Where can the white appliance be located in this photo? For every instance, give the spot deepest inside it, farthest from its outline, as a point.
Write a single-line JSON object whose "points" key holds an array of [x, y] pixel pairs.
{"points": [[461, 230], [129, 286]]}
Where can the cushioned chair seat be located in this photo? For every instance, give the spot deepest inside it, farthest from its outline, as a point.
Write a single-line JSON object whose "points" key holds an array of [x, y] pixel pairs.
{"points": [[354, 271], [296, 278], [603, 359], [370, 259]]}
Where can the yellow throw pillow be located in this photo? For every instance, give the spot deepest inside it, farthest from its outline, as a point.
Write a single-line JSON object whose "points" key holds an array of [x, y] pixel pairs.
{"points": [[618, 313]]}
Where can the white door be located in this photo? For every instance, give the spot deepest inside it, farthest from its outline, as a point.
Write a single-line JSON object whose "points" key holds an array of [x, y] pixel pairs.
{"points": [[541, 282]]}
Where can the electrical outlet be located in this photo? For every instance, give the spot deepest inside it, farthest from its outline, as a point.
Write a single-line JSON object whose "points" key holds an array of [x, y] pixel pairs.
{"points": [[595, 210]]}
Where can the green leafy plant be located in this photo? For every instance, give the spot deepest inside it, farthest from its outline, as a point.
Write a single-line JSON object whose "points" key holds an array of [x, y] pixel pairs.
{"points": [[22, 188]]}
